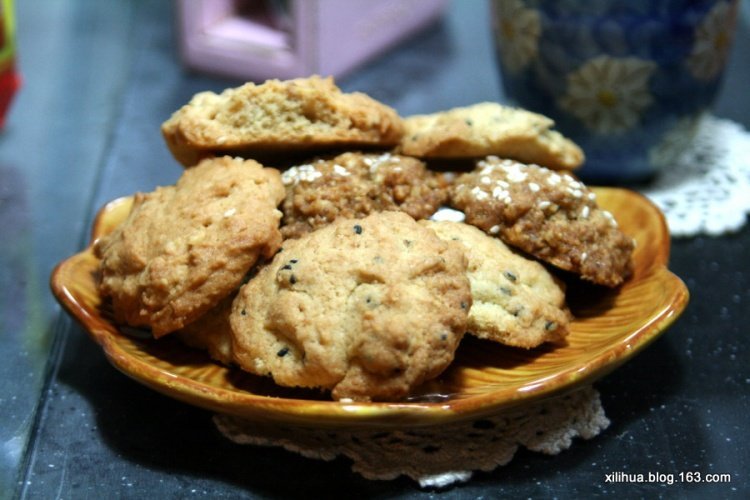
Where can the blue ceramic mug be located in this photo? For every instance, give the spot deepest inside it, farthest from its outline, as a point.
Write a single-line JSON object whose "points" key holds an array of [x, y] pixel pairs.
{"points": [[627, 80]]}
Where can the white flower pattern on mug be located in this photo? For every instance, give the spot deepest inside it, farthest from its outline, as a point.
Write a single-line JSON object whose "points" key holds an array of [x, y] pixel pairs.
{"points": [[713, 39], [609, 95], [518, 33]]}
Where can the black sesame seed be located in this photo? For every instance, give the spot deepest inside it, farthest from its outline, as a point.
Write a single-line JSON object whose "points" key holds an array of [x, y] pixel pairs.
{"points": [[464, 305], [293, 261], [510, 276], [443, 337], [292, 279], [506, 291], [286, 267], [469, 122], [550, 325], [358, 229], [243, 312], [283, 352]]}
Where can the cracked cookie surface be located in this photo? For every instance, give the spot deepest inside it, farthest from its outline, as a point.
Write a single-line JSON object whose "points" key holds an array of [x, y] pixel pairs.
{"points": [[186, 246], [353, 185], [303, 114], [515, 300], [547, 214], [368, 308], [489, 129]]}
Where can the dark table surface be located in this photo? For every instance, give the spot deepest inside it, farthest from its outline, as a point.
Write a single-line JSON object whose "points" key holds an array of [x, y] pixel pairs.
{"points": [[99, 78]]}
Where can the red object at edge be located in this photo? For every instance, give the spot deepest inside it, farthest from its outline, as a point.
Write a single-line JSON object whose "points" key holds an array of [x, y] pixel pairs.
{"points": [[9, 84]]}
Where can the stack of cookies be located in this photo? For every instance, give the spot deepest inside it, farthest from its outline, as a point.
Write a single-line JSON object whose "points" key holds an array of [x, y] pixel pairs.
{"points": [[315, 237]]}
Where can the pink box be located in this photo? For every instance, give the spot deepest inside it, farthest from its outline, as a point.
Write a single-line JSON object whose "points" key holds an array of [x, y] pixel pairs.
{"points": [[262, 39]]}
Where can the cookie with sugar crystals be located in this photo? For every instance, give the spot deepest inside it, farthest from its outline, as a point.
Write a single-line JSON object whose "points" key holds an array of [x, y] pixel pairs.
{"points": [[367, 308], [356, 184], [278, 118], [515, 300], [487, 129], [186, 246], [547, 214]]}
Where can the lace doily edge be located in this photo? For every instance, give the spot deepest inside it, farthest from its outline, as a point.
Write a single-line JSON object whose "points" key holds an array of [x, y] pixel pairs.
{"points": [[544, 427]]}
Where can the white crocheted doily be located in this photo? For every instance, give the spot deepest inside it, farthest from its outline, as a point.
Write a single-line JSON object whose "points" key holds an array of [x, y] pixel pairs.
{"points": [[437, 456], [707, 191]]}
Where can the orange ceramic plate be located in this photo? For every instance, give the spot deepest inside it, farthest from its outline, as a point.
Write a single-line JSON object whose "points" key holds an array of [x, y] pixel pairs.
{"points": [[610, 327]]}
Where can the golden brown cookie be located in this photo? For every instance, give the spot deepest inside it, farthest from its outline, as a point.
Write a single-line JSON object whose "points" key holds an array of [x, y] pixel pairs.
{"points": [[354, 185], [211, 332], [547, 214], [305, 114], [185, 247], [515, 300], [489, 129], [368, 308]]}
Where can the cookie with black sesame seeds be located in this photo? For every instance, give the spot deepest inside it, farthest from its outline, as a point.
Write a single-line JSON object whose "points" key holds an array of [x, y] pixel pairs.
{"points": [[515, 300], [356, 184], [549, 215], [366, 308], [186, 246], [489, 128]]}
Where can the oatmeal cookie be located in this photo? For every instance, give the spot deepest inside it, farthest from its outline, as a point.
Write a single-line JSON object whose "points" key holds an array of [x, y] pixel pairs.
{"points": [[515, 300], [184, 247], [368, 308], [547, 214], [489, 129], [354, 185], [279, 116]]}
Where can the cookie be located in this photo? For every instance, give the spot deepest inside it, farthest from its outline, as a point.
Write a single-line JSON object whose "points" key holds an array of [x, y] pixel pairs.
{"points": [[367, 308], [184, 247], [279, 116], [515, 300], [547, 214], [489, 129], [354, 185], [211, 332]]}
